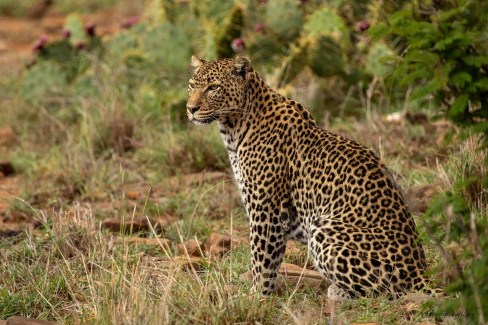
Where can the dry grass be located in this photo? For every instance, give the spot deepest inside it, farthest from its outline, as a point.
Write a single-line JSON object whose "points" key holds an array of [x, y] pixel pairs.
{"points": [[70, 271], [78, 159]]}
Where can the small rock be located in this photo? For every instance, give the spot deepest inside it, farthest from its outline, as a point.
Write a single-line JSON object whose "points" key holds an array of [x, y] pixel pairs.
{"points": [[191, 247], [132, 225], [292, 249], [291, 275], [395, 118], [187, 263], [6, 168], [416, 118], [18, 320], [298, 282], [155, 242], [412, 301], [218, 244], [133, 195], [7, 135], [163, 222], [121, 225], [288, 269]]}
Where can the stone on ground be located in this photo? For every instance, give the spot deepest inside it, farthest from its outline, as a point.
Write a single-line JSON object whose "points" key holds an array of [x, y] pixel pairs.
{"points": [[132, 225], [218, 244], [153, 242], [191, 247], [18, 320]]}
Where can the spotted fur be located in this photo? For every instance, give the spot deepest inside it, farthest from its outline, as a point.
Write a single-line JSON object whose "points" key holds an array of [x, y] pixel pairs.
{"points": [[298, 181]]}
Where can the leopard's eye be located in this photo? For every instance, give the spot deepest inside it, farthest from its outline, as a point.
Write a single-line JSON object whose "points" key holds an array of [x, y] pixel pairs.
{"points": [[213, 87], [191, 85]]}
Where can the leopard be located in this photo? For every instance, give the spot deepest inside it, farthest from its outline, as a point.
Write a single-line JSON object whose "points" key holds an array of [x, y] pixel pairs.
{"points": [[300, 182]]}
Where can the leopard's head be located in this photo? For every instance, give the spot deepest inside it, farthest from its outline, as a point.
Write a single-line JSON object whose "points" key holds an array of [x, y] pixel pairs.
{"points": [[217, 89]]}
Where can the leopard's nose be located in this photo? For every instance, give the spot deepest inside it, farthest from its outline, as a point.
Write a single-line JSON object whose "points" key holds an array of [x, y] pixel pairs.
{"points": [[192, 108]]}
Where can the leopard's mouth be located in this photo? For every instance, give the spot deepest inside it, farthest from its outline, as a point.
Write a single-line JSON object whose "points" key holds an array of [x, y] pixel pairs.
{"points": [[202, 120]]}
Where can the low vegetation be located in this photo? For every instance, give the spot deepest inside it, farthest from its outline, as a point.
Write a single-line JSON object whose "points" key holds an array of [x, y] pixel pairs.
{"points": [[95, 130]]}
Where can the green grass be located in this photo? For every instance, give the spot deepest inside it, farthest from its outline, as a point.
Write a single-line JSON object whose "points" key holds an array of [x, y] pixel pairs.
{"points": [[77, 153], [70, 271]]}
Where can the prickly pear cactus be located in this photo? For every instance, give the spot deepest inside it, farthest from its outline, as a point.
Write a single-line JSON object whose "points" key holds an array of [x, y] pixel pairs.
{"points": [[327, 40], [265, 50], [376, 60], [168, 47], [45, 79], [232, 29], [325, 21], [293, 64], [214, 10], [325, 56], [74, 24], [284, 18]]}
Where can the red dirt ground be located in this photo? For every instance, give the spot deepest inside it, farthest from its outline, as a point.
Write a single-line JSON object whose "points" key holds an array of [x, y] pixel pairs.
{"points": [[17, 38], [18, 35]]}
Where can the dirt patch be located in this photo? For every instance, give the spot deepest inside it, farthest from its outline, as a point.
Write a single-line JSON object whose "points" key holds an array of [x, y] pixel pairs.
{"points": [[18, 35], [9, 189]]}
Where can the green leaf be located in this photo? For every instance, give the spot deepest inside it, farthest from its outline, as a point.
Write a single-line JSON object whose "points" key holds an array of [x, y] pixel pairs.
{"points": [[482, 84], [378, 31], [459, 79], [476, 61], [459, 106], [424, 91]]}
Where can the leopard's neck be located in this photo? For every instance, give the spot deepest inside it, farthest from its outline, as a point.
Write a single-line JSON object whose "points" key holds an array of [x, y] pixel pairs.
{"points": [[235, 128]]}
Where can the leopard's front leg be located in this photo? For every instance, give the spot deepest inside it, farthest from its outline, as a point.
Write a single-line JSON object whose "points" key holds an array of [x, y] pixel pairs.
{"points": [[268, 243]]}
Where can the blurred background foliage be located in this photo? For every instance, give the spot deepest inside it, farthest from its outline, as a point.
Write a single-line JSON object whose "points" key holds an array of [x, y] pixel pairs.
{"points": [[361, 55]]}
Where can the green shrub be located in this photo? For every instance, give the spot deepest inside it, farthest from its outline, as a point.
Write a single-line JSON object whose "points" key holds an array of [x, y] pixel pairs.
{"points": [[445, 55]]}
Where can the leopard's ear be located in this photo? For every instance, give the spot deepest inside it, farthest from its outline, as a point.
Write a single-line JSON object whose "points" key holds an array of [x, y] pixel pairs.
{"points": [[241, 67], [196, 62]]}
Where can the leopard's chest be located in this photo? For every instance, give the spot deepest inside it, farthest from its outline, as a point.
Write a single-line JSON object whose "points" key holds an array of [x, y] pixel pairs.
{"points": [[231, 145]]}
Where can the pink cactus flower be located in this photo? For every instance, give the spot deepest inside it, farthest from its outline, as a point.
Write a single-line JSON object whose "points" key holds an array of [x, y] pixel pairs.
{"points": [[362, 26], [130, 22], [80, 45], [238, 45], [259, 27], [90, 29], [40, 43], [66, 33]]}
